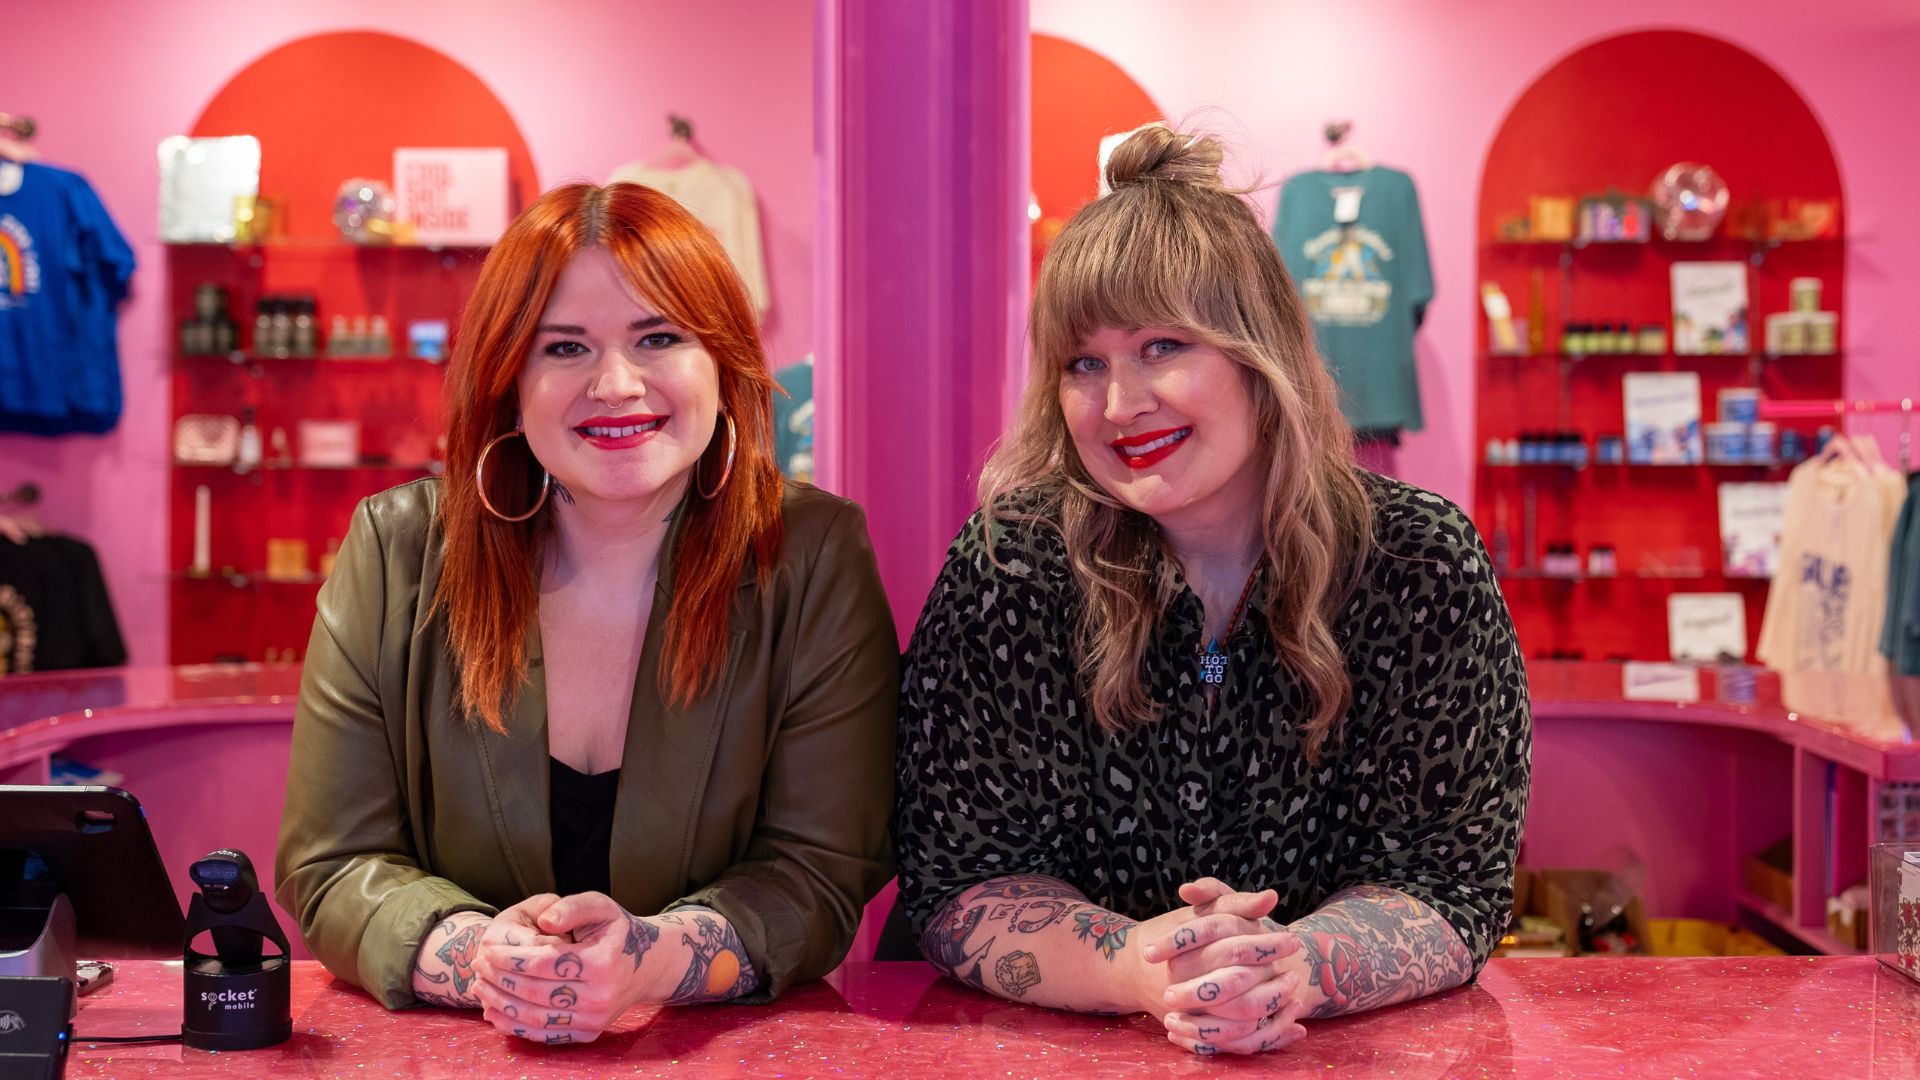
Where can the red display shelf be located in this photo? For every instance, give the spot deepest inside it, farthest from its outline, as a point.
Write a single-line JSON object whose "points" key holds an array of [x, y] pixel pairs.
{"points": [[396, 402], [1601, 119]]}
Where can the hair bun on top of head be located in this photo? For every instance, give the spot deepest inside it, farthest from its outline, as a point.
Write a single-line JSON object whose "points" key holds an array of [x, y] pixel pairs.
{"points": [[1157, 152]]}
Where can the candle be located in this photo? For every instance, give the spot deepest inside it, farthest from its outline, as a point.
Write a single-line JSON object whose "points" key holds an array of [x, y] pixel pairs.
{"points": [[202, 531]]}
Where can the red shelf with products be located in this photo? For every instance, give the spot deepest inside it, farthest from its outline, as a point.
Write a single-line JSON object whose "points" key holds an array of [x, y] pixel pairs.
{"points": [[245, 604], [1612, 116]]}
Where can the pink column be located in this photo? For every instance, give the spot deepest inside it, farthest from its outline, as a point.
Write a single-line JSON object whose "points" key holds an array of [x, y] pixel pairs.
{"points": [[920, 272], [921, 117]]}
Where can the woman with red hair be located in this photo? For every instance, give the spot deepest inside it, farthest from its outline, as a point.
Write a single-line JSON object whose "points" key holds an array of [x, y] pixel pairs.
{"points": [[606, 716]]}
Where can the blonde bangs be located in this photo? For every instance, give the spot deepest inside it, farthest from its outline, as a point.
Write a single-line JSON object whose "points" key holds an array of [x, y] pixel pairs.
{"points": [[1146, 266]]}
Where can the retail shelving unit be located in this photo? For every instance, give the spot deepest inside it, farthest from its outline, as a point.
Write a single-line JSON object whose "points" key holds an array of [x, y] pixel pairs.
{"points": [[403, 95], [1612, 117], [237, 610]]}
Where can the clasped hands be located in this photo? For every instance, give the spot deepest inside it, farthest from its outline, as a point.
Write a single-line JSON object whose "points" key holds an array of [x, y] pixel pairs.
{"points": [[1228, 990], [560, 970]]}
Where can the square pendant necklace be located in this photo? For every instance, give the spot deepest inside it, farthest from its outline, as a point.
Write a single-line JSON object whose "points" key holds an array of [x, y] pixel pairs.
{"points": [[1213, 661]]}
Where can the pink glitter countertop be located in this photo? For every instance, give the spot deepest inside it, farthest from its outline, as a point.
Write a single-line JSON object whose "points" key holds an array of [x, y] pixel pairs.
{"points": [[1822, 1017]]}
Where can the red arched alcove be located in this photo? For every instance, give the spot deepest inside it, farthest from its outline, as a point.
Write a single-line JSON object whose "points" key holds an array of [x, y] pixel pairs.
{"points": [[1613, 115], [1079, 97], [326, 109], [334, 106]]}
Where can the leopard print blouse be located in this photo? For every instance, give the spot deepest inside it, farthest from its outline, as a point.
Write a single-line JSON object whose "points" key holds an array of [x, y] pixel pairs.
{"points": [[1002, 769]]}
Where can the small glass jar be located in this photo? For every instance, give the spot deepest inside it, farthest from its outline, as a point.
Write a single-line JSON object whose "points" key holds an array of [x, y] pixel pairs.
{"points": [[1653, 339]]}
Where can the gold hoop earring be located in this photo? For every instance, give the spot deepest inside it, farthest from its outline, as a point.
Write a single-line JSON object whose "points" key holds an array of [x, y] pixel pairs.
{"points": [[726, 474], [480, 480]]}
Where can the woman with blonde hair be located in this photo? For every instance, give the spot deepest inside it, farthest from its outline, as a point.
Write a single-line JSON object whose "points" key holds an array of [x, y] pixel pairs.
{"points": [[1201, 719], [606, 715]]}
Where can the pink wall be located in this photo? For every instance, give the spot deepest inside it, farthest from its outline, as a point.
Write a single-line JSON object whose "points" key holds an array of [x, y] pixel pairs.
{"points": [[588, 81], [1428, 84]]}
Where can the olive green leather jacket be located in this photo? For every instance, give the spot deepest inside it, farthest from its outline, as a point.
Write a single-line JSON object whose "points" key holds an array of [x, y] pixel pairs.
{"points": [[766, 800]]}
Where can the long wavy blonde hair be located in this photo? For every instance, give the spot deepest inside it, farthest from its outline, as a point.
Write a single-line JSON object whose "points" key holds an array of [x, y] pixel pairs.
{"points": [[1173, 247]]}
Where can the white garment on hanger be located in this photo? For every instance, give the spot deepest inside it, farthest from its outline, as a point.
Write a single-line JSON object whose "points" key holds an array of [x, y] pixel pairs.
{"points": [[722, 198], [1828, 599]]}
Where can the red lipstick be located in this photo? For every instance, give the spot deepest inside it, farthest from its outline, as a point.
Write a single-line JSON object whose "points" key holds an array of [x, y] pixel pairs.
{"points": [[1152, 457], [651, 423]]}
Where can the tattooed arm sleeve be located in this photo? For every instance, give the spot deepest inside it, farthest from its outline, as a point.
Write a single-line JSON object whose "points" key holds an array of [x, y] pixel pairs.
{"points": [[1435, 790], [1035, 939], [702, 948], [443, 968], [1369, 946]]}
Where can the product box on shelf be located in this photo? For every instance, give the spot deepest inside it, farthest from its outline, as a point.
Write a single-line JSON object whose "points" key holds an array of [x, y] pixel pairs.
{"points": [[1894, 877], [1769, 875], [452, 195], [1565, 899]]}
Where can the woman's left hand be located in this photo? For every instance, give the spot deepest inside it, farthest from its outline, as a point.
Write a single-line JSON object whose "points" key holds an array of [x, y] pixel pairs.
{"points": [[572, 990], [1230, 989]]}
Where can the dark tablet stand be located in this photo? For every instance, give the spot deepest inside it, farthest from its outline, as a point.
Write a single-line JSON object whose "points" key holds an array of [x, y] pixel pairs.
{"points": [[80, 875]]}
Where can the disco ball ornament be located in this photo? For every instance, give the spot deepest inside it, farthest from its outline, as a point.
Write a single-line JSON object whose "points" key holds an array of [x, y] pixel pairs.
{"points": [[1689, 199], [363, 211]]}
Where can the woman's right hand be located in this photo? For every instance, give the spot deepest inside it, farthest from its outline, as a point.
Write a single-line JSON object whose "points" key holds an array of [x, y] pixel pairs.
{"points": [[1227, 987], [514, 927]]}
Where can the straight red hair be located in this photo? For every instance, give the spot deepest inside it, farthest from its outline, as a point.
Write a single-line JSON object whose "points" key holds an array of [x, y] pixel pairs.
{"points": [[490, 580]]}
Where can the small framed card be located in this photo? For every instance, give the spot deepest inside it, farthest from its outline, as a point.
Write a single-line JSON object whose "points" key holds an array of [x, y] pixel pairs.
{"points": [[1707, 627]]}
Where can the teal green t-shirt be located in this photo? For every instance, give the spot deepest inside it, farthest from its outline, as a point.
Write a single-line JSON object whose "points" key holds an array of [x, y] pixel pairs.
{"points": [[1357, 251]]}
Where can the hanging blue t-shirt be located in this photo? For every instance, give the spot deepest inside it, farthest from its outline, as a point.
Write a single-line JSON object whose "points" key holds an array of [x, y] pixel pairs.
{"points": [[1357, 251], [64, 268]]}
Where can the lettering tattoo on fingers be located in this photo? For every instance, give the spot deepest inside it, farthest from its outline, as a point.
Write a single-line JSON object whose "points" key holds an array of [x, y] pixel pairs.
{"points": [[513, 941], [569, 966], [1205, 1031], [1206, 1048], [519, 963], [522, 1032], [1261, 953], [565, 997], [1273, 1004], [1208, 991], [512, 1011], [559, 1038], [1184, 937], [509, 982], [559, 1019]]}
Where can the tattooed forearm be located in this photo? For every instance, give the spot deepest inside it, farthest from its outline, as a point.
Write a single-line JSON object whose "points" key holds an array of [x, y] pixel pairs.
{"points": [[641, 935], [944, 943], [458, 954], [719, 969], [1107, 931], [443, 968], [1017, 973], [998, 936], [1372, 946]]}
